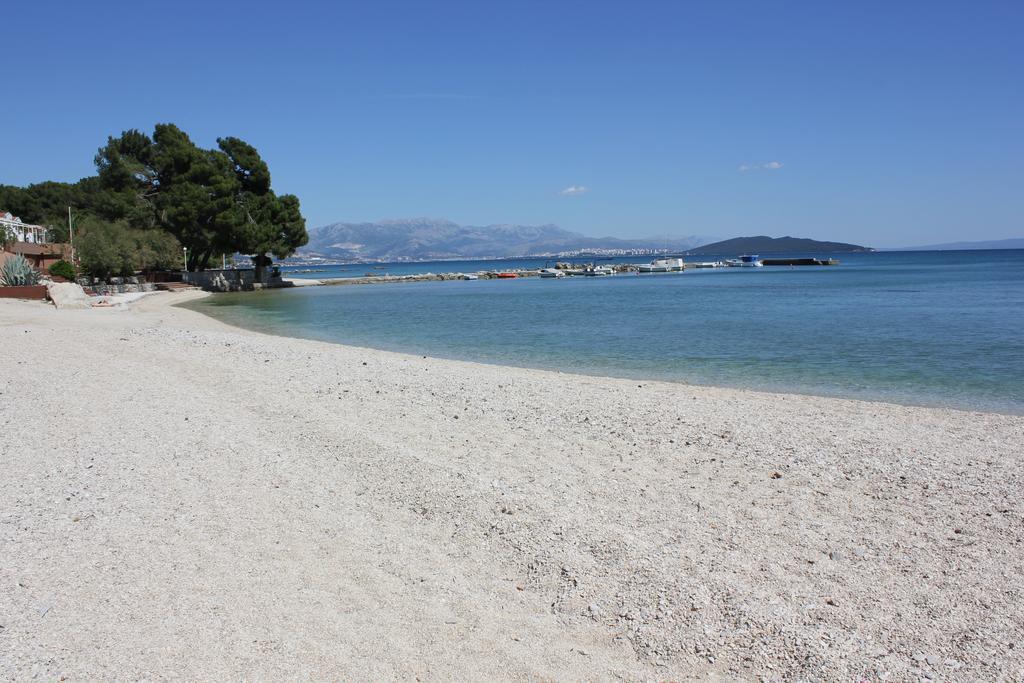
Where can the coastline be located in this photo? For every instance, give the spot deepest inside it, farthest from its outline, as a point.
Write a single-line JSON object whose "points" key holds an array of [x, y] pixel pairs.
{"points": [[568, 375], [911, 396], [186, 498]]}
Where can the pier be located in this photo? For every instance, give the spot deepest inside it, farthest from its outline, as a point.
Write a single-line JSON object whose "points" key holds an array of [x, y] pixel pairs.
{"points": [[808, 261]]}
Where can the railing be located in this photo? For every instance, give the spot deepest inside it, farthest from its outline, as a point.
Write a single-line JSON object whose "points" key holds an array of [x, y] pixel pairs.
{"points": [[24, 232]]}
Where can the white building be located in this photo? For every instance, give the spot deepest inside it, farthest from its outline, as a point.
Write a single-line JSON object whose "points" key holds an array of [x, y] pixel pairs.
{"points": [[23, 232]]}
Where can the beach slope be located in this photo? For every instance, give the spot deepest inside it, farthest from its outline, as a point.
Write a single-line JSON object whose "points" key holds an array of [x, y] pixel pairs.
{"points": [[182, 499]]}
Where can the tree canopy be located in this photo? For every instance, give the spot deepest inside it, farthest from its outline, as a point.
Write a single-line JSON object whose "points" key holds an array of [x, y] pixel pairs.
{"points": [[211, 201]]}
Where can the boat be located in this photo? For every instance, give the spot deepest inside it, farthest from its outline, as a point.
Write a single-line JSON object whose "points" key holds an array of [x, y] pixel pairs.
{"points": [[597, 271], [507, 276], [706, 264], [663, 265], [551, 272], [745, 261], [469, 276]]}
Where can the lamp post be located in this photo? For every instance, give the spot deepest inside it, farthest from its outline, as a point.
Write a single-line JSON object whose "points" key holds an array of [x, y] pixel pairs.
{"points": [[185, 251]]}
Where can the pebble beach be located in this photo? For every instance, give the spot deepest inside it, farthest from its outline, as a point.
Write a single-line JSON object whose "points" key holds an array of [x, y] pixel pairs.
{"points": [[182, 499]]}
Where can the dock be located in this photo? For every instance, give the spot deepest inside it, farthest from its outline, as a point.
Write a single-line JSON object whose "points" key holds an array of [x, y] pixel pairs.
{"points": [[800, 262]]}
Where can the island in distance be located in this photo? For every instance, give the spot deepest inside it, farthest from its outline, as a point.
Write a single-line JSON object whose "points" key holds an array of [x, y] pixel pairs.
{"points": [[762, 244]]}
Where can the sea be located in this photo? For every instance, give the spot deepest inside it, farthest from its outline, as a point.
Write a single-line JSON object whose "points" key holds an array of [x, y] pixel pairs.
{"points": [[940, 328]]}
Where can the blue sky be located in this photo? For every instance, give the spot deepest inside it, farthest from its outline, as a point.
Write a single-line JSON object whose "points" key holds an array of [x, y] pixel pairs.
{"points": [[884, 123]]}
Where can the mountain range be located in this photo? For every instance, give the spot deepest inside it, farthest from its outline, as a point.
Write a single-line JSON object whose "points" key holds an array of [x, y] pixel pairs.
{"points": [[1016, 243], [423, 239]]}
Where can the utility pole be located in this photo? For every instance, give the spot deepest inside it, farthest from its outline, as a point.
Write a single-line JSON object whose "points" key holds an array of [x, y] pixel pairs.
{"points": [[71, 235]]}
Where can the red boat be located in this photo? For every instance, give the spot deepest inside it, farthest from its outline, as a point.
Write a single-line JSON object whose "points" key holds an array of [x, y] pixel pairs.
{"points": [[507, 275]]}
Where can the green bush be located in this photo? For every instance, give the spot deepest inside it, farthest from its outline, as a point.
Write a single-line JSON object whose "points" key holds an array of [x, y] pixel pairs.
{"points": [[63, 269], [106, 249]]}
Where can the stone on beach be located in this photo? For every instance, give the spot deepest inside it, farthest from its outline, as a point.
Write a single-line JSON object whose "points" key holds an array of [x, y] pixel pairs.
{"points": [[69, 295]]}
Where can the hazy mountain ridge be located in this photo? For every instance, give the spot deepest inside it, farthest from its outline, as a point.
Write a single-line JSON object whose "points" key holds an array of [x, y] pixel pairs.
{"points": [[1013, 243], [763, 244], [425, 239]]}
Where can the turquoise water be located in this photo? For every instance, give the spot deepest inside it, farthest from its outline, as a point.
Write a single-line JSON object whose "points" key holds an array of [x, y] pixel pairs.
{"points": [[924, 328]]}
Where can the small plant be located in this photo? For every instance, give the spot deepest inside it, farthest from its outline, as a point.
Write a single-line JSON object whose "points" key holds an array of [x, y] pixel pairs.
{"points": [[17, 271], [63, 269]]}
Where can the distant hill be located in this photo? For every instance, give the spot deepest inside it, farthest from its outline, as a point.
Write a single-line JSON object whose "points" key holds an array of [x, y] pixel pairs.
{"points": [[422, 239], [1017, 243], [763, 244]]}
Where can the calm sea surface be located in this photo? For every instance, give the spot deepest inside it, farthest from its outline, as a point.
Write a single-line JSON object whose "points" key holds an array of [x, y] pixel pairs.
{"points": [[925, 328]]}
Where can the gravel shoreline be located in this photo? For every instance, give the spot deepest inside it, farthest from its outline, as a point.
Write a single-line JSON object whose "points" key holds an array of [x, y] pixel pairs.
{"points": [[184, 499]]}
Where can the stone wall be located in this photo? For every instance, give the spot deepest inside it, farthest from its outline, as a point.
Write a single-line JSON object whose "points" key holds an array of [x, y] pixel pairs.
{"points": [[117, 285], [233, 279]]}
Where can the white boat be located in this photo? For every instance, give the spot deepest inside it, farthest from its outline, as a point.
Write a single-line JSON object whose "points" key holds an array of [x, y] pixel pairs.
{"points": [[662, 265], [470, 276], [596, 271], [745, 261], [551, 272], [706, 264]]}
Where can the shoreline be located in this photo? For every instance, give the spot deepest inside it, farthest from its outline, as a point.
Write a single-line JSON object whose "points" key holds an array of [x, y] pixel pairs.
{"points": [[599, 375], [189, 498]]}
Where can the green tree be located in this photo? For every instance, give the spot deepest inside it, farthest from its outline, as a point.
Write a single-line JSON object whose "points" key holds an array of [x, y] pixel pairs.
{"points": [[43, 203], [143, 180], [6, 236], [114, 248], [12, 199], [105, 249], [262, 222], [47, 204], [155, 250], [164, 192]]}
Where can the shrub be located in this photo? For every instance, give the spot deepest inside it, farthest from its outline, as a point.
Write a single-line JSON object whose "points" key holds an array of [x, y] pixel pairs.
{"points": [[106, 249], [18, 271], [63, 269], [156, 250]]}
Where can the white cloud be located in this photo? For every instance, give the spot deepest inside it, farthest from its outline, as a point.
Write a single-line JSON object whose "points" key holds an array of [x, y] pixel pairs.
{"points": [[770, 166], [430, 96], [574, 190]]}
